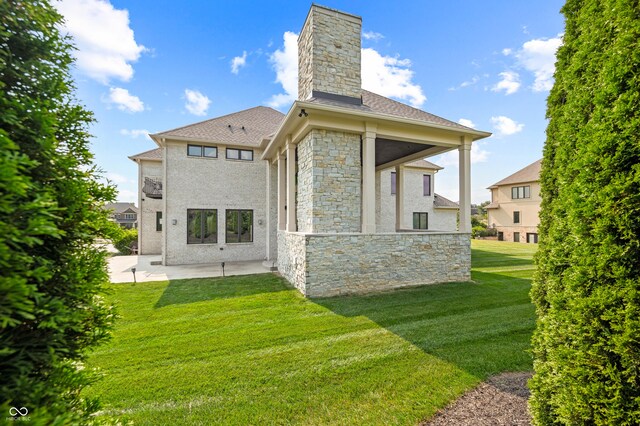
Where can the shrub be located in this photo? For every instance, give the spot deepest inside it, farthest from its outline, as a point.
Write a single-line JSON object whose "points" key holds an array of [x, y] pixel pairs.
{"points": [[587, 288], [52, 273], [478, 231], [125, 240]]}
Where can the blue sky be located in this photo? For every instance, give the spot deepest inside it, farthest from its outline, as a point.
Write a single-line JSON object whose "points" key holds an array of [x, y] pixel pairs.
{"points": [[148, 66]]}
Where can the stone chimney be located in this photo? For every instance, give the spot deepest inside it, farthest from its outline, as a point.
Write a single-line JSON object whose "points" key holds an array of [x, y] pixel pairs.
{"points": [[329, 56]]}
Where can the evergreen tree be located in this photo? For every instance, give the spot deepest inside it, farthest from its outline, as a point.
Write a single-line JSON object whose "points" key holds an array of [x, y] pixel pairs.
{"points": [[587, 289], [51, 273]]}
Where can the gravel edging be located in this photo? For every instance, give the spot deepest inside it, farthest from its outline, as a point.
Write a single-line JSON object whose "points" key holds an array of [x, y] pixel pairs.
{"points": [[501, 400]]}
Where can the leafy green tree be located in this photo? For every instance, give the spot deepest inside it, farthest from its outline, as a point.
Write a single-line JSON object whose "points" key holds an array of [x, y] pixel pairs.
{"points": [[51, 273], [587, 288]]}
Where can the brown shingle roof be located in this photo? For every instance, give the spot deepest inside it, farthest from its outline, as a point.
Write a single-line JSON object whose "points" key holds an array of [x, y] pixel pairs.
{"points": [[424, 164], [121, 207], [440, 202], [152, 154], [531, 173], [247, 127], [372, 102]]}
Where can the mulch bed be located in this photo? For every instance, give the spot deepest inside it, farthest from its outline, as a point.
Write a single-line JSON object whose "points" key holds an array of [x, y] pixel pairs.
{"points": [[501, 400]]}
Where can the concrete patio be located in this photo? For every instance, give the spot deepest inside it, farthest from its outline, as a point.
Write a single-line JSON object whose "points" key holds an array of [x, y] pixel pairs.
{"points": [[120, 269]]}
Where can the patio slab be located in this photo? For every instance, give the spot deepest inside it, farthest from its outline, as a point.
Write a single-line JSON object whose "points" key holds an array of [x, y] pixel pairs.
{"points": [[120, 269]]}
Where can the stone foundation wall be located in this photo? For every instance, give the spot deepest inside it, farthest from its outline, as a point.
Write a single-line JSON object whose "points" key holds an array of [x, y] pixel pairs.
{"points": [[292, 258], [322, 265]]}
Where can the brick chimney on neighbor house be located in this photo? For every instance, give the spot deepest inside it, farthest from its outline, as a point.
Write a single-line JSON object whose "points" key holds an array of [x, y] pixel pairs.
{"points": [[329, 56]]}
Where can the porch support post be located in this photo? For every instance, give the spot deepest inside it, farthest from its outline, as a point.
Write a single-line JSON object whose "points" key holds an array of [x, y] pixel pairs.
{"points": [[400, 198], [282, 193], [369, 179], [464, 181], [290, 150]]}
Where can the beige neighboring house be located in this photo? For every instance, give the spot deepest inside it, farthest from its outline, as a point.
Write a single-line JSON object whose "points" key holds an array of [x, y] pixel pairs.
{"points": [[336, 193], [124, 214], [515, 205]]}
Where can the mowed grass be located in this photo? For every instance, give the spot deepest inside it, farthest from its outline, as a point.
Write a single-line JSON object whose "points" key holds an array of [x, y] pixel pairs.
{"points": [[250, 350]]}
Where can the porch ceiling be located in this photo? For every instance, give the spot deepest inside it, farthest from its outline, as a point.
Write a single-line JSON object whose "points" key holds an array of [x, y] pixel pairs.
{"points": [[388, 150]]}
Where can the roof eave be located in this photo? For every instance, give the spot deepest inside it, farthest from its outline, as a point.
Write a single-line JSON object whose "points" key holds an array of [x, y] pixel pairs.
{"points": [[309, 106]]}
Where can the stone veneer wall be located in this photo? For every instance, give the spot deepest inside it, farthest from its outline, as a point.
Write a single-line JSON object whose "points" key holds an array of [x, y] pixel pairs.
{"points": [[291, 258], [322, 265], [329, 54], [329, 182], [304, 206]]}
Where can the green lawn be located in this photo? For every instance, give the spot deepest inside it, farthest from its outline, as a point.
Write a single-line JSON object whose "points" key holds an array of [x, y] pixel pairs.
{"points": [[250, 350]]}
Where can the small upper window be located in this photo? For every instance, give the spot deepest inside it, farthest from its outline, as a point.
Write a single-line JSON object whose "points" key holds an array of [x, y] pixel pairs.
{"points": [[240, 154], [393, 183], [520, 192], [210, 151], [426, 179], [516, 217], [202, 151], [194, 150]]}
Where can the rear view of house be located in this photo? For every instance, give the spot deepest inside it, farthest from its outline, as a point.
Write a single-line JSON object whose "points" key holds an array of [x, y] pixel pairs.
{"points": [[336, 192], [515, 205]]}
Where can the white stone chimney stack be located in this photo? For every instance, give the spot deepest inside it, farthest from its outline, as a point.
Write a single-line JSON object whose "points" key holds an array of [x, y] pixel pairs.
{"points": [[329, 56]]}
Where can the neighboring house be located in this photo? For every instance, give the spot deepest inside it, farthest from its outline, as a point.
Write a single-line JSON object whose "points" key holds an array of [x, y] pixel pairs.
{"points": [[515, 205], [422, 207], [124, 214], [313, 191]]}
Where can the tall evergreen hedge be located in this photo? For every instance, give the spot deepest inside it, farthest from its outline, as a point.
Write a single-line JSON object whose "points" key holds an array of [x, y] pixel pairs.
{"points": [[51, 274], [587, 289]]}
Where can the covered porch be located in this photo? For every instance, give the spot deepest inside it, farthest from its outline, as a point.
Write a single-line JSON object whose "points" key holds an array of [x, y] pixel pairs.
{"points": [[328, 158]]}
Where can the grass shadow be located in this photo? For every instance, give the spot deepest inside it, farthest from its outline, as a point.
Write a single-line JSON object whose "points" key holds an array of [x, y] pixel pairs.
{"points": [[483, 327], [193, 290], [503, 259]]}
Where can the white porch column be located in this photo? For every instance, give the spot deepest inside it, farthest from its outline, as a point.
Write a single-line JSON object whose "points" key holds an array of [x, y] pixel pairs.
{"points": [[290, 150], [282, 193], [400, 198], [464, 181], [369, 180]]}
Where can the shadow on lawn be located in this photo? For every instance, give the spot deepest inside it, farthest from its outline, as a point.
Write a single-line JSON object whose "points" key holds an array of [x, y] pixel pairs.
{"points": [[180, 292], [483, 327], [484, 258]]}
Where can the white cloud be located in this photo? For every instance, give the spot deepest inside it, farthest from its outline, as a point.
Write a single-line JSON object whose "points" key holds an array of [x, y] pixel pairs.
{"points": [[450, 159], [507, 51], [125, 195], [385, 75], [506, 126], [510, 83], [134, 133], [467, 83], [197, 103], [372, 35], [467, 123], [391, 77], [538, 56], [116, 178], [105, 42], [124, 100], [238, 62], [285, 63]]}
